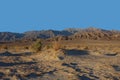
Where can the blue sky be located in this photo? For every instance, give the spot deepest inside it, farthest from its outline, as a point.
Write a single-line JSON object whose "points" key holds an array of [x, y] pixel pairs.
{"points": [[24, 15]]}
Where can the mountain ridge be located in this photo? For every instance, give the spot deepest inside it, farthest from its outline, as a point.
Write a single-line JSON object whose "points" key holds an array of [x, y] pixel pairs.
{"points": [[70, 33]]}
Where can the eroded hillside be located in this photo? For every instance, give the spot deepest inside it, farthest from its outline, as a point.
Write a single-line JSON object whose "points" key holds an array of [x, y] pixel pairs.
{"points": [[70, 34]]}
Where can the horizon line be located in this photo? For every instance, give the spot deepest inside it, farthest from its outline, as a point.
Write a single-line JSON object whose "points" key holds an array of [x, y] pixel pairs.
{"points": [[61, 29]]}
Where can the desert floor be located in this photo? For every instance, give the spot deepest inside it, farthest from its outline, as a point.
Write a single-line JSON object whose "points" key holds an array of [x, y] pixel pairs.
{"points": [[77, 60]]}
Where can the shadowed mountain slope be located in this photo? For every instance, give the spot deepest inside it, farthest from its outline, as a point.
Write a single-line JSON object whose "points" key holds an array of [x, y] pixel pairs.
{"points": [[9, 36]]}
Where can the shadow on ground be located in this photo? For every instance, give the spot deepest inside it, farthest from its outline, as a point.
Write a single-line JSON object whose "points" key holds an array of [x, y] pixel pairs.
{"points": [[75, 52], [35, 75], [115, 54], [84, 78], [13, 64], [116, 67], [11, 54]]}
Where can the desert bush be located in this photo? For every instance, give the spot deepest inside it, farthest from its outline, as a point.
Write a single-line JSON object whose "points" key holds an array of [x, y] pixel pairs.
{"points": [[48, 46], [26, 47], [86, 47], [5, 47], [56, 45], [37, 46]]}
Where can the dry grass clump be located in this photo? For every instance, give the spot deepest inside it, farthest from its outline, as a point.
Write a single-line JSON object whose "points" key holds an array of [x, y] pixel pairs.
{"points": [[49, 46], [56, 45], [37, 46]]}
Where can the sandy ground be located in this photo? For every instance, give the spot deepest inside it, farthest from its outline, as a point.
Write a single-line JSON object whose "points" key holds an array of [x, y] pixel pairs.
{"points": [[74, 62]]}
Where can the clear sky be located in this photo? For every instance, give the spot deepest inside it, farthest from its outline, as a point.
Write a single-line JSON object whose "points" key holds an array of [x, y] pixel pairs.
{"points": [[24, 15]]}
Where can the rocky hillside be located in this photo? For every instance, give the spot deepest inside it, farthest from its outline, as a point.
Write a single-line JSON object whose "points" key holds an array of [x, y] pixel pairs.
{"points": [[71, 33], [46, 34], [9, 36], [96, 34]]}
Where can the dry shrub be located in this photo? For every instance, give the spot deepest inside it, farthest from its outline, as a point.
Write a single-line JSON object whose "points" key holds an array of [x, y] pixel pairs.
{"points": [[26, 47], [64, 47], [48, 46], [86, 47], [4, 47], [56, 45], [36, 46], [16, 48]]}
